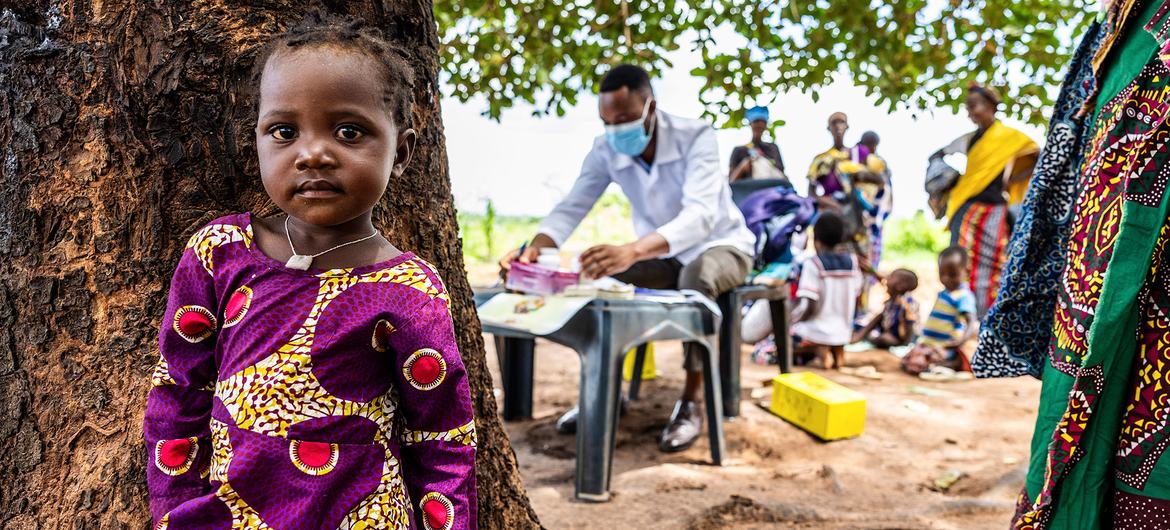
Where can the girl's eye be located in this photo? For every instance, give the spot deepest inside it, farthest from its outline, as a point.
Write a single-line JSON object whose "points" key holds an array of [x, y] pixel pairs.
{"points": [[283, 132], [348, 133]]}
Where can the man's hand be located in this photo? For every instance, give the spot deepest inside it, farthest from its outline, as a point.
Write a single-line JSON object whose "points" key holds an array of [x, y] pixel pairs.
{"points": [[528, 256], [531, 252], [606, 260]]}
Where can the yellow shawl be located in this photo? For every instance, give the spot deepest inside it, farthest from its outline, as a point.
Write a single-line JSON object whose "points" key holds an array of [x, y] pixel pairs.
{"points": [[986, 161]]}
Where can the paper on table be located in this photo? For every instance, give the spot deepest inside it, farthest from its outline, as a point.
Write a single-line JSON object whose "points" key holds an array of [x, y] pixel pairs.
{"points": [[538, 315], [661, 296]]}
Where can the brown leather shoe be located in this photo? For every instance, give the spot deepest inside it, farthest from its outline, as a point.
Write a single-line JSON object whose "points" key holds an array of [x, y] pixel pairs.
{"points": [[686, 423]]}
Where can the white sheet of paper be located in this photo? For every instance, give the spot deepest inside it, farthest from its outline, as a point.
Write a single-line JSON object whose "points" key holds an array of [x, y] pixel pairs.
{"points": [[538, 315]]}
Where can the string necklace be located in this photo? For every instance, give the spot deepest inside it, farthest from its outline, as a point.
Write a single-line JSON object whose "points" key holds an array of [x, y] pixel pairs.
{"points": [[304, 261]]}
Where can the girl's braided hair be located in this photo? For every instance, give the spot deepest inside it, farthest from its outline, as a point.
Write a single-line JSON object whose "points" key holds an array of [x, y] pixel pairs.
{"points": [[348, 33]]}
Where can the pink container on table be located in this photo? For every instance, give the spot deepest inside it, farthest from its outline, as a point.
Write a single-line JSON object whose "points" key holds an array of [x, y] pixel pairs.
{"points": [[534, 279]]}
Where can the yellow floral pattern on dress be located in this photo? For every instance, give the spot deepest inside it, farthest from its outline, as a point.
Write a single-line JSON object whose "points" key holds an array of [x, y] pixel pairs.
{"points": [[464, 434]]}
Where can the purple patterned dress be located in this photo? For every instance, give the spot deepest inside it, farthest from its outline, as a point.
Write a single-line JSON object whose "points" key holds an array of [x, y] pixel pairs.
{"points": [[289, 399]]}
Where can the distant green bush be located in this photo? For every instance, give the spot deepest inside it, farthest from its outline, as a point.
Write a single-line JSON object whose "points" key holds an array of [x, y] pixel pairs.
{"points": [[488, 235], [913, 239], [907, 242]]}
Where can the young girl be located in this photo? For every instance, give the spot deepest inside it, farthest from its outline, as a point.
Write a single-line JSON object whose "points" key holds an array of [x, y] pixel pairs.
{"points": [[309, 375]]}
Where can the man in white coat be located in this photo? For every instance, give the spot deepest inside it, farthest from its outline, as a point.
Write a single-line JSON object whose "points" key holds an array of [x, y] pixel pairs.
{"points": [[690, 233]]}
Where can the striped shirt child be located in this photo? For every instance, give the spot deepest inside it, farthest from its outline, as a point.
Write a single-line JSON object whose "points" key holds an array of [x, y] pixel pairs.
{"points": [[944, 324]]}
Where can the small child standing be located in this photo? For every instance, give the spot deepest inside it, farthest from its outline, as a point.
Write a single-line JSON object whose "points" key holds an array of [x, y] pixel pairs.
{"points": [[952, 319], [825, 298], [309, 375], [897, 324]]}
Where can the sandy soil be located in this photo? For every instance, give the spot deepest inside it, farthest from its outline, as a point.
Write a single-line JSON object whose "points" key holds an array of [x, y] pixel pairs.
{"points": [[779, 477]]}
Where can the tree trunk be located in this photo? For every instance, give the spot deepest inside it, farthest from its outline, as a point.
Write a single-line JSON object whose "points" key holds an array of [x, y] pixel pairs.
{"points": [[124, 126]]}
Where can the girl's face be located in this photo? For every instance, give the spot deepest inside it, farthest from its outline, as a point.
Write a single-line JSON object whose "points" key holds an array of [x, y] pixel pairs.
{"points": [[326, 142]]}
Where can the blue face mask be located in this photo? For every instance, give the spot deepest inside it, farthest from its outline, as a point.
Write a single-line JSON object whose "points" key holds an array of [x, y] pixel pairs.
{"points": [[631, 138]]}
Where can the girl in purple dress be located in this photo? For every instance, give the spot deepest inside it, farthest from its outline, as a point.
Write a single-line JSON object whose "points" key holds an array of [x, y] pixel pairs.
{"points": [[309, 376]]}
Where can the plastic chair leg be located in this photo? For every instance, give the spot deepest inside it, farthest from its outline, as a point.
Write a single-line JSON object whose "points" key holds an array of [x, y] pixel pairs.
{"points": [[729, 357], [714, 405], [636, 377], [782, 333], [516, 370]]}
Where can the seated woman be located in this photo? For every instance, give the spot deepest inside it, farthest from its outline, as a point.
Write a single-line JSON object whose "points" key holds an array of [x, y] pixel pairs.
{"points": [[757, 159]]}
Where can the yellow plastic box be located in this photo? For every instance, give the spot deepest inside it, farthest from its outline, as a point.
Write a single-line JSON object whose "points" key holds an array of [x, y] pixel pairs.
{"points": [[819, 406], [648, 370]]}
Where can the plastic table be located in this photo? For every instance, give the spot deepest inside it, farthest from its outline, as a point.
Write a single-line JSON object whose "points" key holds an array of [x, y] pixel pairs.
{"points": [[601, 333]]}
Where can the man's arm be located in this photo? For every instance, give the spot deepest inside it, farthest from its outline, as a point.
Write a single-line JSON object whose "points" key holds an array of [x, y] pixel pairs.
{"points": [[606, 260], [531, 252], [1020, 169], [808, 291], [965, 305], [590, 184], [741, 164], [805, 309], [864, 332], [813, 176], [738, 171], [564, 218]]}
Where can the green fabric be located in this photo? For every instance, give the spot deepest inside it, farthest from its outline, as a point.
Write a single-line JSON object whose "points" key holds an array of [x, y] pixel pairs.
{"points": [[1127, 58], [1085, 488]]}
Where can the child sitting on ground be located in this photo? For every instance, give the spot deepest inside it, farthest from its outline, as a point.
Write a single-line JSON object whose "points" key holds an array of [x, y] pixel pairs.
{"points": [[952, 319], [896, 325], [823, 315]]}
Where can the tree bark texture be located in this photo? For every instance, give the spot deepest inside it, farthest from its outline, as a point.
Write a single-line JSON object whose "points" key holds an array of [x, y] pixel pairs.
{"points": [[125, 126]]}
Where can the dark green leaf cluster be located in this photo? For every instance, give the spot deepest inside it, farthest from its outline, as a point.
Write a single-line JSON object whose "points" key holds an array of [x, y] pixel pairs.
{"points": [[915, 54]]}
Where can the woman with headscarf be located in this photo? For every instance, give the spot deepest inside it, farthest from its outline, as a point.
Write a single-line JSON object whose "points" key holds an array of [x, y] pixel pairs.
{"points": [[979, 207], [757, 159]]}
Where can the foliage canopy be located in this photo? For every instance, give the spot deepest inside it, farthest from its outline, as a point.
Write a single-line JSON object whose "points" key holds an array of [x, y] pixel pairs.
{"points": [[912, 53]]}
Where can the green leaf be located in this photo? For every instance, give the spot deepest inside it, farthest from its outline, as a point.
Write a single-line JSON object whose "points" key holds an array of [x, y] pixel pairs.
{"points": [[902, 53]]}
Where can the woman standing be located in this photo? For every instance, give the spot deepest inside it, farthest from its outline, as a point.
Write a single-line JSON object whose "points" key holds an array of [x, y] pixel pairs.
{"points": [[980, 205]]}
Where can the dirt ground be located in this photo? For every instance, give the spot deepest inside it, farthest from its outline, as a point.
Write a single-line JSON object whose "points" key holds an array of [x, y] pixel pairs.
{"points": [[777, 476]]}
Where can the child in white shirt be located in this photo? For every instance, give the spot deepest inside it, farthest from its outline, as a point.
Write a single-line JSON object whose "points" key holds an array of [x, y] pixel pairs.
{"points": [[826, 297]]}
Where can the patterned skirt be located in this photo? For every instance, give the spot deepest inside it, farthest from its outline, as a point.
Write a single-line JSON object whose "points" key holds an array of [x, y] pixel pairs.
{"points": [[983, 229]]}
